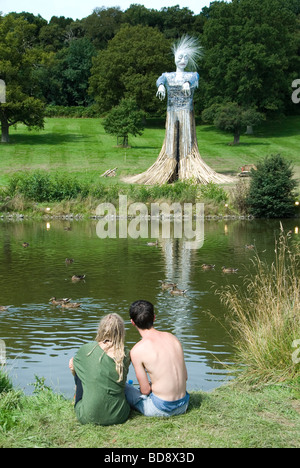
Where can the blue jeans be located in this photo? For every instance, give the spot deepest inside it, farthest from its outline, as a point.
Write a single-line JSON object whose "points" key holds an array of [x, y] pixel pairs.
{"points": [[145, 405]]}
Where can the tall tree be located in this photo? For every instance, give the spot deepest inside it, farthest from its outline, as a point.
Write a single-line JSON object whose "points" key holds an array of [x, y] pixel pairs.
{"points": [[232, 118], [76, 72], [176, 21], [125, 119], [129, 67], [249, 45], [102, 25], [17, 60]]}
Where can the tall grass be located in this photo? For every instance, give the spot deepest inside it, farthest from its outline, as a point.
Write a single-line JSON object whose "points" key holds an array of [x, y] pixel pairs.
{"points": [[264, 316], [41, 186]]}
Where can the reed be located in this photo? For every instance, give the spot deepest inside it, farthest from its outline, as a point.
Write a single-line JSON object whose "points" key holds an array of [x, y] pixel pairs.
{"points": [[264, 316]]}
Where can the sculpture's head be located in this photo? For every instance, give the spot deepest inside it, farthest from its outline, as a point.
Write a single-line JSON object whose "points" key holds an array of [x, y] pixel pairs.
{"points": [[186, 51]]}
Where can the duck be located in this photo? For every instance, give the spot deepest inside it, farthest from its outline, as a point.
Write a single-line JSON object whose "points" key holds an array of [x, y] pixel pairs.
{"points": [[69, 260], [25, 244], [178, 292], [249, 247], [70, 305], [205, 266], [77, 277], [3, 308], [166, 286], [229, 270], [153, 244], [59, 301]]}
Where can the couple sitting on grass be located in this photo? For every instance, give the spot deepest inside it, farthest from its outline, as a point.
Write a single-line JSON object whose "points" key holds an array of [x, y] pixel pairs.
{"points": [[100, 369]]}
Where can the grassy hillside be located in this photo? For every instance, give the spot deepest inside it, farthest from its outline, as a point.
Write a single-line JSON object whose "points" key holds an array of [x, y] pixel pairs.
{"points": [[81, 147]]}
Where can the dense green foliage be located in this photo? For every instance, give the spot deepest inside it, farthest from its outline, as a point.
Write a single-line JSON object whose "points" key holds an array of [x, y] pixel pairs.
{"points": [[17, 60], [272, 189], [251, 53], [40, 186], [129, 67], [251, 57], [125, 119], [5, 383], [232, 118]]}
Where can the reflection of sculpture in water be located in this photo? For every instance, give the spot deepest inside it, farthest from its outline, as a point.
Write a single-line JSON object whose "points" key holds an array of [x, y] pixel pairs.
{"points": [[179, 157]]}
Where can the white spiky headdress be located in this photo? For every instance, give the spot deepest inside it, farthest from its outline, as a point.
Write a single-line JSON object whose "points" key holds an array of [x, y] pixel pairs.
{"points": [[188, 46]]}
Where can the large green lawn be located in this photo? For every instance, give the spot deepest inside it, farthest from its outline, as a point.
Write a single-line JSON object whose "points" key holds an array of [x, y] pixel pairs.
{"points": [[81, 147]]}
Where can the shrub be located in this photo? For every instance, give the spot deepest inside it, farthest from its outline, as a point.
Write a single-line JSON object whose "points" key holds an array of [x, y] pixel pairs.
{"points": [[35, 186], [5, 383], [40, 186], [125, 119], [71, 112], [213, 192], [271, 193], [239, 196]]}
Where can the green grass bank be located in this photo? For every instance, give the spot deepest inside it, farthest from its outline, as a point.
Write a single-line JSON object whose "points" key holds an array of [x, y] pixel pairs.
{"points": [[82, 148], [63, 164], [229, 417]]}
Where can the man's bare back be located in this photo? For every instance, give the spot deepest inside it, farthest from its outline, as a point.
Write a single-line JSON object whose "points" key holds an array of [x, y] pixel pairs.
{"points": [[161, 355]]}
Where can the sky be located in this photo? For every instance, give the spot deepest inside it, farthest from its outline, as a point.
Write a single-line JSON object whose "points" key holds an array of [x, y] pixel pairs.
{"points": [[78, 9]]}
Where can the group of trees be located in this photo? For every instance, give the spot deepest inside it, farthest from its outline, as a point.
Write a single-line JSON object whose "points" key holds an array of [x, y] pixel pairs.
{"points": [[251, 56]]}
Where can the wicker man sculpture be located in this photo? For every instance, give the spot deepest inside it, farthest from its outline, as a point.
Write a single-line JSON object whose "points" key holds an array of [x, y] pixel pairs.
{"points": [[179, 157]]}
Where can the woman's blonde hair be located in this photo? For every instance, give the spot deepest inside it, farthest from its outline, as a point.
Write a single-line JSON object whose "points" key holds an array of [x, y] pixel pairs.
{"points": [[111, 331]]}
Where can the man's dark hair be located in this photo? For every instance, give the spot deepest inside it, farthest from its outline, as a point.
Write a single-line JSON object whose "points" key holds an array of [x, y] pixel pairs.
{"points": [[142, 313]]}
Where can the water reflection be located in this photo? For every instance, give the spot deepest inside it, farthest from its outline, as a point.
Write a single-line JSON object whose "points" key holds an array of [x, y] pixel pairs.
{"points": [[40, 338]]}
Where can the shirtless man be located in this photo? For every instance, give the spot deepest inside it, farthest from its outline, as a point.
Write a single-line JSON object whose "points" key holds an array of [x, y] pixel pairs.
{"points": [[160, 355]]}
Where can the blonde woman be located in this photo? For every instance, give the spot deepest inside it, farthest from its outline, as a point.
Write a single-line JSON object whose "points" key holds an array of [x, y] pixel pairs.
{"points": [[100, 369]]}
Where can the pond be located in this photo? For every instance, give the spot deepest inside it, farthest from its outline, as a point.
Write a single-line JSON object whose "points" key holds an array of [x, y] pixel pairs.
{"points": [[40, 338]]}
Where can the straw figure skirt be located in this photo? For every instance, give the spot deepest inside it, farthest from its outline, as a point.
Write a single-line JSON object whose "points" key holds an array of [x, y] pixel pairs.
{"points": [[179, 157]]}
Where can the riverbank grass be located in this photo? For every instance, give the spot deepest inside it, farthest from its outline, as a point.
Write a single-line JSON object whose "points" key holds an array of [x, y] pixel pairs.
{"points": [[263, 316], [229, 417]]}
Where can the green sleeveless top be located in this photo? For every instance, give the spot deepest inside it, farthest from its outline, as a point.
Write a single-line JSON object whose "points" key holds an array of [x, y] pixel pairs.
{"points": [[103, 400]]}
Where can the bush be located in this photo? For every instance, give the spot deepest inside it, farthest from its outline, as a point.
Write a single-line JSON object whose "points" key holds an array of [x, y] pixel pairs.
{"points": [[41, 186], [73, 112], [239, 196], [213, 192], [271, 193], [125, 119], [5, 383]]}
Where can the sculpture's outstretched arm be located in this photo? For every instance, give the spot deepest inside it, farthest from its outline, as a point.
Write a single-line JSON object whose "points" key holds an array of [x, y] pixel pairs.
{"points": [[161, 92], [160, 83]]}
